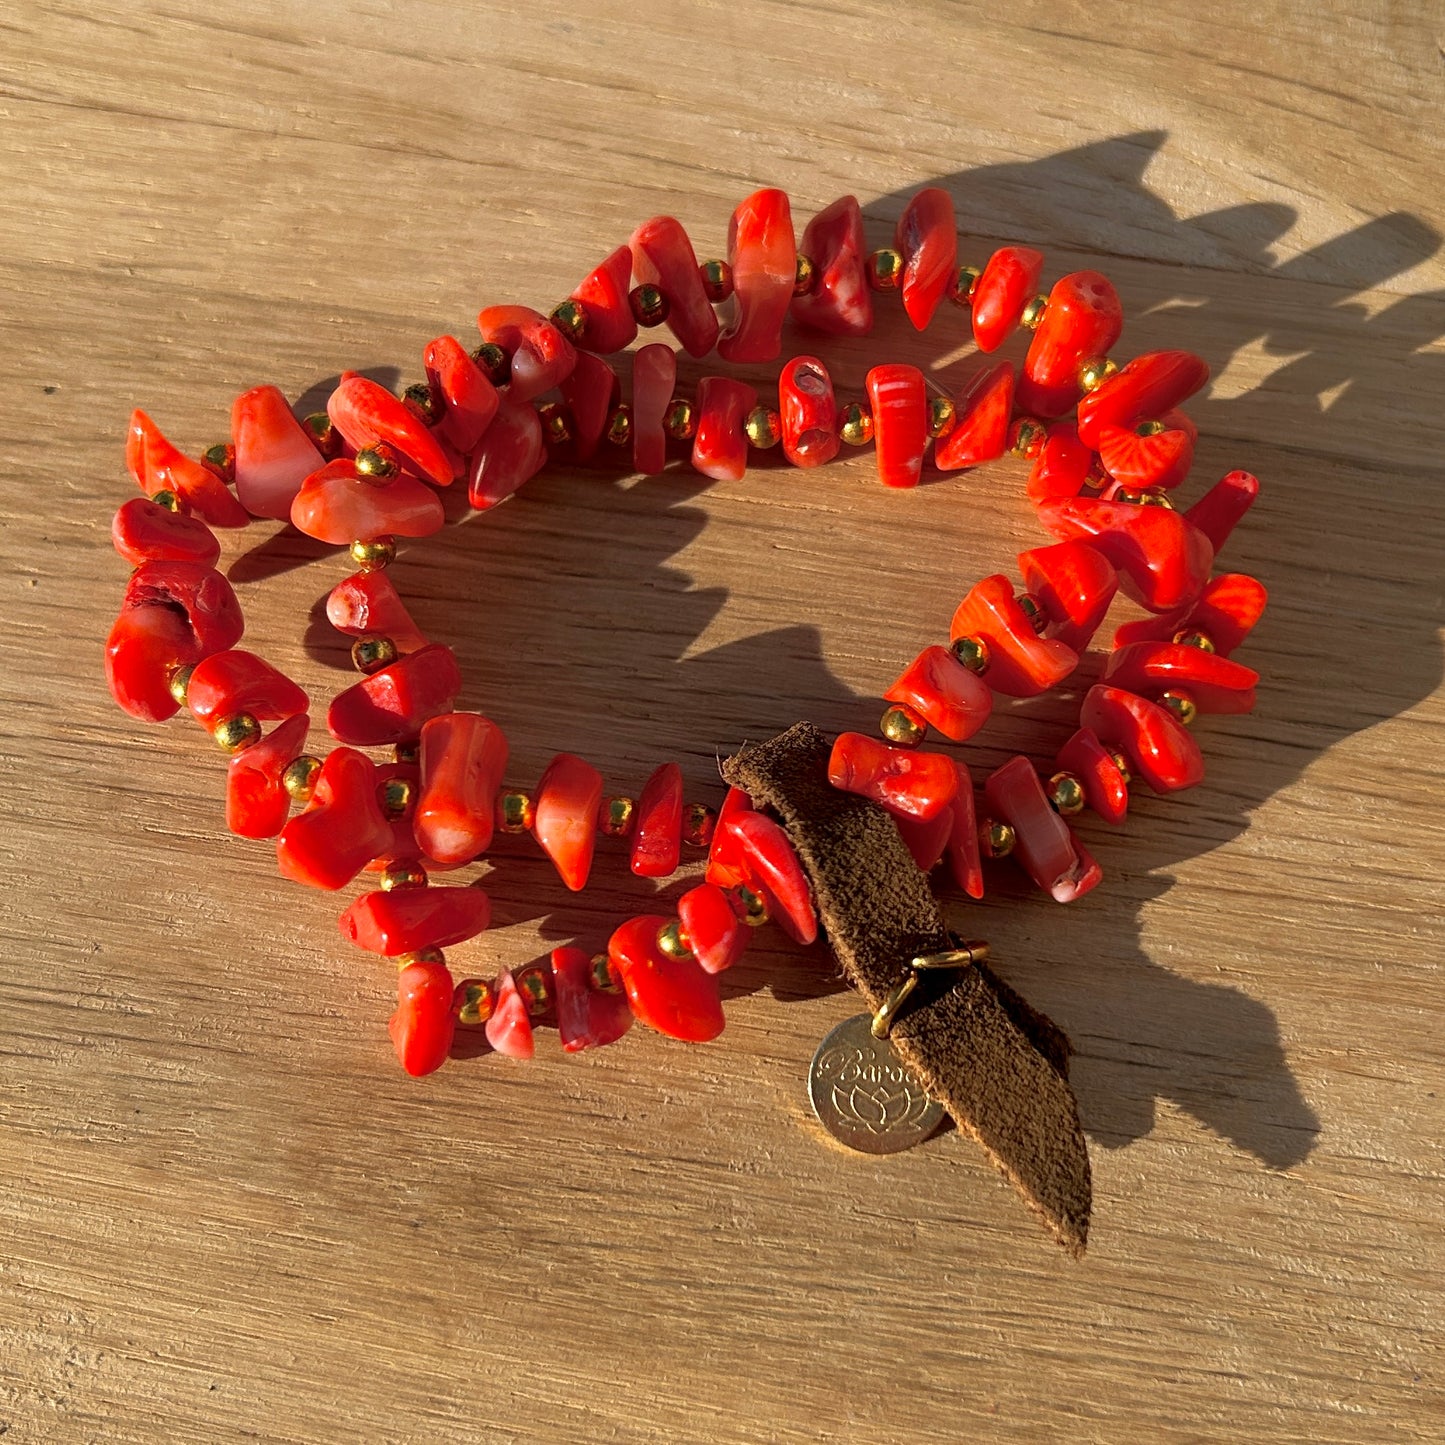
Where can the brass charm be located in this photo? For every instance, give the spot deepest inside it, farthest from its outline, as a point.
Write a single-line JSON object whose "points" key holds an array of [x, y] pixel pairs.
{"points": [[865, 1096]]}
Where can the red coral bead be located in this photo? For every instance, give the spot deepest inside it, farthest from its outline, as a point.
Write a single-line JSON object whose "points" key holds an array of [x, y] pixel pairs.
{"points": [[763, 257], [657, 826], [257, 802], [1219, 510], [274, 452], [715, 933], [565, 816], [422, 1028], [463, 756], [720, 447], [980, 432], [509, 1029], [368, 604], [1090, 761], [809, 412], [1155, 459], [899, 402], [908, 782], [1144, 390], [611, 326], [406, 920], [841, 301], [1075, 583], [342, 828], [144, 531], [587, 1017], [1061, 467], [677, 997], [1020, 662], [540, 355], [962, 849], [725, 865], [927, 238], [1226, 612], [662, 256], [507, 457], [949, 697], [391, 705], [1163, 559], [1215, 683], [368, 415], [337, 505], [1009, 282], [1158, 748], [159, 466], [926, 840], [1043, 843], [654, 378], [590, 394], [771, 862], [469, 400], [1082, 321], [237, 681]]}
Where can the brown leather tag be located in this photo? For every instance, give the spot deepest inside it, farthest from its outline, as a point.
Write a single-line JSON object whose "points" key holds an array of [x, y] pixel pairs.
{"points": [[997, 1065]]}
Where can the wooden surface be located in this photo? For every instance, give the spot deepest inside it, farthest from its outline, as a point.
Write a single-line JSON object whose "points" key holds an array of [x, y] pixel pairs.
{"points": [[226, 1214]]}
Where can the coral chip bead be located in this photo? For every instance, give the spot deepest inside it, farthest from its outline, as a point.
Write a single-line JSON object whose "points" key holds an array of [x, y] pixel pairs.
{"points": [[1216, 684], [159, 466], [1083, 320], [237, 681], [368, 415], [1061, 467], [899, 403], [1021, 663], [274, 452], [662, 256], [1219, 510], [1075, 583], [590, 393], [725, 865], [981, 431], [257, 802], [908, 782], [510, 454], [654, 378], [509, 1029], [587, 1017], [1226, 611], [367, 604], [1105, 789], [143, 531], [1144, 390], [770, 862], [611, 326], [391, 704], [1043, 843], [677, 997], [342, 828], [469, 399], [541, 356], [422, 1028], [926, 841], [336, 505], [657, 827], [927, 238], [463, 756], [720, 447], [1152, 458], [809, 412], [406, 920], [715, 933], [1158, 748], [763, 258], [565, 816], [944, 692], [1007, 285], [841, 301], [962, 848]]}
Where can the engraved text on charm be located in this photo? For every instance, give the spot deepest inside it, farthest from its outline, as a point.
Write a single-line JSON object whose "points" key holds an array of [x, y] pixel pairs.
{"points": [[865, 1096]]}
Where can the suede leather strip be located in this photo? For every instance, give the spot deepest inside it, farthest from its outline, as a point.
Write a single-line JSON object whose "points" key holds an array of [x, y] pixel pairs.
{"points": [[999, 1067]]}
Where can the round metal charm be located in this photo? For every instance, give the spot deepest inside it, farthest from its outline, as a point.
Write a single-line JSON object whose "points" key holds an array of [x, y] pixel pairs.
{"points": [[865, 1096]]}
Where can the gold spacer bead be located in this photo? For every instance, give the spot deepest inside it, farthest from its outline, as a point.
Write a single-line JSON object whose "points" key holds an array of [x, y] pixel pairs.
{"points": [[221, 459], [748, 905], [855, 425], [1033, 609], [942, 415], [371, 654], [422, 401], [1184, 708], [763, 427], [473, 1001], [1033, 313], [1156, 497], [1093, 374], [1194, 637], [1027, 437], [902, 725], [603, 976], [166, 499], [318, 427], [885, 269], [1066, 794], [534, 983], [698, 822], [374, 553], [406, 752], [619, 425], [1149, 428], [617, 815], [570, 318], [236, 733], [805, 275], [965, 283], [717, 280], [679, 421], [376, 464], [299, 777], [673, 942], [1128, 496], [395, 796], [649, 305], [179, 681], [995, 839], [515, 813], [402, 875], [556, 423], [1122, 763], [972, 652], [420, 955], [494, 363]]}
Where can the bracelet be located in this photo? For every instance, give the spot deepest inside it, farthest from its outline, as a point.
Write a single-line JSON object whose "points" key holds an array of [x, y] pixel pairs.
{"points": [[1107, 445]]}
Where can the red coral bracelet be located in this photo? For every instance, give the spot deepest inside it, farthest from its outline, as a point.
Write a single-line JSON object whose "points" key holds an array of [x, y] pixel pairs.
{"points": [[368, 470]]}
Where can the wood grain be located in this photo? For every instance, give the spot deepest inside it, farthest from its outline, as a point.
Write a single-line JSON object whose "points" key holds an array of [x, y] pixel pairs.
{"points": [[227, 1215]]}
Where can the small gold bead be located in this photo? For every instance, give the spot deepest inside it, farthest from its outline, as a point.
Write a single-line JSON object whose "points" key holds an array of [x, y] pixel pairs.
{"points": [[395, 796], [942, 415], [1149, 428], [619, 425], [965, 283], [374, 553], [179, 681], [235, 733], [617, 816], [673, 942], [1033, 313], [570, 318], [1180, 704], [763, 427], [855, 425], [1093, 374], [603, 976], [494, 363], [972, 652], [1128, 496], [1122, 763], [371, 654], [376, 464], [1193, 637], [1033, 609], [649, 305], [679, 421], [299, 777], [1027, 437], [515, 812], [221, 459], [402, 875], [318, 426], [166, 499], [1156, 497], [1066, 794], [420, 955], [901, 725], [474, 1001], [805, 275], [406, 752], [422, 402], [556, 423], [995, 839], [698, 822], [748, 905], [717, 280], [534, 983], [885, 269]]}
